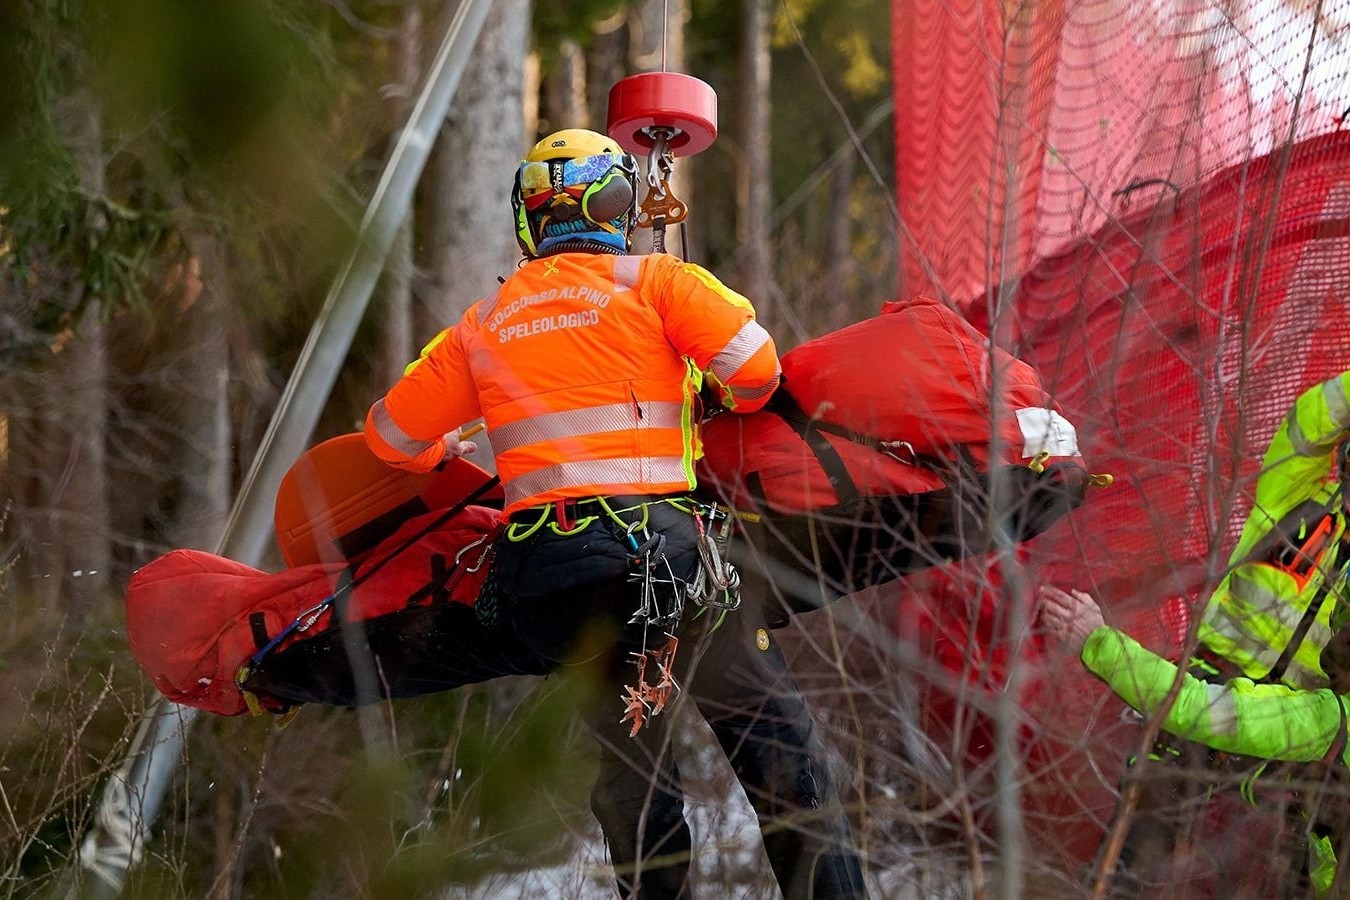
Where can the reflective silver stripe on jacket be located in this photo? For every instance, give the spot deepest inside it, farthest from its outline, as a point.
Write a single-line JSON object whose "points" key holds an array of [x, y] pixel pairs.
{"points": [[1267, 606], [488, 305], [1264, 602], [1338, 405], [755, 393], [1223, 717], [574, 423], [626, 272], [394, 436], [738, 351], [1251, 653], [635, 471], [1300, 676]]}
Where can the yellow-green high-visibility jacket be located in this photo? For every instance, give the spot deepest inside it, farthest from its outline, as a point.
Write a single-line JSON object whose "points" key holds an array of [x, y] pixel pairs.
{"points": [[1257, 607], [1269, 721]]}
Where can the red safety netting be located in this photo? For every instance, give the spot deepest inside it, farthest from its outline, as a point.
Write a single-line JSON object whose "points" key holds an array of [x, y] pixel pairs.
{"points": [[1176, 338], [1150, 202], [1021, 128]]}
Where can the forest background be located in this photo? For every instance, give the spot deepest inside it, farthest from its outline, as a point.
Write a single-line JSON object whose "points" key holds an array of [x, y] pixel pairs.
{"points": [[179, 186]]}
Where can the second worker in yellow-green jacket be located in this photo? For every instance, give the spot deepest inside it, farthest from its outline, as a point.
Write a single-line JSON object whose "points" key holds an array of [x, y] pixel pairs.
{"points": [[1274, 646], [1283, 595], [1267, 721]]}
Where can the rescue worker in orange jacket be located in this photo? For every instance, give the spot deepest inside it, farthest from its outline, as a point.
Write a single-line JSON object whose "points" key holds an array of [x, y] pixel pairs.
{"points": [[586, 366]]}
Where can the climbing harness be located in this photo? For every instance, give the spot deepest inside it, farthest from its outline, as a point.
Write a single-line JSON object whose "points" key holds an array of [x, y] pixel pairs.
{"points": [[662, 595]]}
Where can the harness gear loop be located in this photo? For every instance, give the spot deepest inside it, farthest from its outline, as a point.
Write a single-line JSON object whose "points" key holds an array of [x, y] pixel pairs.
{"points": [[717, 583], [565, 518]]}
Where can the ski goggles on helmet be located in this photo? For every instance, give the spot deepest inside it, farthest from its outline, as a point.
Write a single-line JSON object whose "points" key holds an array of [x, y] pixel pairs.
{"points": [[540, 182]]}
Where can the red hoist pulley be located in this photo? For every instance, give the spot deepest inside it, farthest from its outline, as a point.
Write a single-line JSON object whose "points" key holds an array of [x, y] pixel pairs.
{"points": [[661, 114]]}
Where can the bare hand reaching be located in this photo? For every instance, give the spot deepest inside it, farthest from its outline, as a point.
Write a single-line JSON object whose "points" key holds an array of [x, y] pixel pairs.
{"points": [[454, 446], [1070, 615]]}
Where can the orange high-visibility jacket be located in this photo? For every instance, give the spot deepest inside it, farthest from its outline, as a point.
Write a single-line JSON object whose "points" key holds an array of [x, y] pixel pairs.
{"points": [[586, 369]]}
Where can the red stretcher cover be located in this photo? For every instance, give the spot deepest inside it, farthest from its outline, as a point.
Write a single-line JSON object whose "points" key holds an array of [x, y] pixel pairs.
{"points": [[195, 619], [917, 375]]}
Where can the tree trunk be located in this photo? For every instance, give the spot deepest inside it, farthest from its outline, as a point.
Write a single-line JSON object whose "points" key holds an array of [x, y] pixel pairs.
{"points": [[201, 411], [755, 182], [473, 234], [471, 237], [564, 92], [655, 43], [838, 294], [397, 341], [67, 513], [606, 59], [63, 513]]}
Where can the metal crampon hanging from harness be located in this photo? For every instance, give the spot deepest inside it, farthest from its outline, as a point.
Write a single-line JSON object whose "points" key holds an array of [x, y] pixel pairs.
{"points": [[715, 585]]}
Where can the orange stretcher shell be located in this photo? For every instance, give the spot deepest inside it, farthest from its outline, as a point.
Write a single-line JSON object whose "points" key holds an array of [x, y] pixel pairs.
{"points": [[338, 500]]}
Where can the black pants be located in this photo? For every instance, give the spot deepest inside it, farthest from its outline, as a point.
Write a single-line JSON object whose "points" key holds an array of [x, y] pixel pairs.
{"points": [[796, 564], [569, 599], [563, 602], [409, 653]]}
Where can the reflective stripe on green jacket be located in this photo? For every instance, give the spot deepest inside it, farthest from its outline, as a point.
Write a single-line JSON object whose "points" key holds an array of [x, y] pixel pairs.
{"points": [[1256, 608], [1270, 721]]}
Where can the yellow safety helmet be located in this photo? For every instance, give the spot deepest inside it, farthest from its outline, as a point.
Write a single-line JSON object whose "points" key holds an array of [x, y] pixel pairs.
{"points": [[575, 190], [572, 143]]}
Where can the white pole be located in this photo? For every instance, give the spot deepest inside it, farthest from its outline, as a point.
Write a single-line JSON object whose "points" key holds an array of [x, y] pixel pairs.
{"points": [[132, 796]]}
